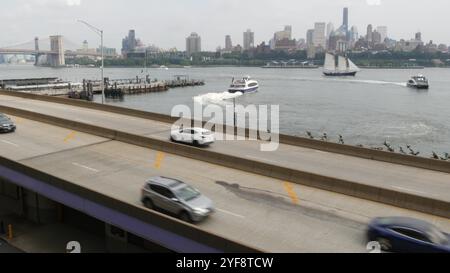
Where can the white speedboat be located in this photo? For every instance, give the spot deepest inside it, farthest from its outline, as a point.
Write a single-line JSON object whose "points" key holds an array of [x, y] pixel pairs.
{"points": [[343, 66], [419, 82], [244, 85]]}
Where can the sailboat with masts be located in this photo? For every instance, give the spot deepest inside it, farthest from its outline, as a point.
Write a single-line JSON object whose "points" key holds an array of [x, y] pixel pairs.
{"points": [[337, 65]]}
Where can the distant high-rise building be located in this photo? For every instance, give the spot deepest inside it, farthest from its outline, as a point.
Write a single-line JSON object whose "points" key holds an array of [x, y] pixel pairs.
{"points": [[369, 37], [310, 38], [418, 36], [345, 21], [354, 35], [376, 37], [319, 39], [129, 43], [383, 30], [249, 39], [193, 44], [85, 45], [330, 29], [284, 34], [228, 43]]}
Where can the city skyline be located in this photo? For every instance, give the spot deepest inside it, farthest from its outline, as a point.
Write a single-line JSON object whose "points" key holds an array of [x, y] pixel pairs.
{"points": [[63, 14]]}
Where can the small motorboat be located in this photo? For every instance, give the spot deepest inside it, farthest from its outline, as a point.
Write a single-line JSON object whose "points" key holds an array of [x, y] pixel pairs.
{"points": [[244, 85], [419, 82]]}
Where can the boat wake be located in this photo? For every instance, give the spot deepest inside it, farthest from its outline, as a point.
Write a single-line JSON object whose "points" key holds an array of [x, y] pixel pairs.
{"points": [[355, 81], [216, 98], [375, 82]]}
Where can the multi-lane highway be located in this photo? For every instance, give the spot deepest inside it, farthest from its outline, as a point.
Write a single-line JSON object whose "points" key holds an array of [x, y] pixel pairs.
{"points": [[262, 212], [401, 178]]}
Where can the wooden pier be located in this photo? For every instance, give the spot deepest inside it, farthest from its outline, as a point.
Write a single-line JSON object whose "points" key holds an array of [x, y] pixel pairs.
{"points": [[115, 89], [118, 90]]}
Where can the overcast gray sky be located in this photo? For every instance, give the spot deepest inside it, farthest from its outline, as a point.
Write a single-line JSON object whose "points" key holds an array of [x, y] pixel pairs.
{"points": [[166, 23]]}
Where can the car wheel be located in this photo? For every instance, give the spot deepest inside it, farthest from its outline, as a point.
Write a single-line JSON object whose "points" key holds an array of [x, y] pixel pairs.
{"points": [[184, 216], [172, 139], [385, 244], [149, 204], [196, 143]]}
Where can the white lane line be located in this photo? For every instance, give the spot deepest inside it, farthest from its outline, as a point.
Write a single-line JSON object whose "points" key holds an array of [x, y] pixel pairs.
{"points": [[85, 167], [409, 190], [231, 213], [10, 143]]}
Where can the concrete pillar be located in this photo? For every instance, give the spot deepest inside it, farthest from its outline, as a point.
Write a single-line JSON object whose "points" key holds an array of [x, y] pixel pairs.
{"points": [[39, 209]]}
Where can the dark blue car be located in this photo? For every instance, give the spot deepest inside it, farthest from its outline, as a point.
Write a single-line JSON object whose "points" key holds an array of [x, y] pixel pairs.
{"points": [[405, 235]]}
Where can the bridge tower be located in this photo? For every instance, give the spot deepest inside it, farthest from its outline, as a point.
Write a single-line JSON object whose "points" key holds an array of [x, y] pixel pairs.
{"points": [[57, 57], [36, 48], [36, 43]]}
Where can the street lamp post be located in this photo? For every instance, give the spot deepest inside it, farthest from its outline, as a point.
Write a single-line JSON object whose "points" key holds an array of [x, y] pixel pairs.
{"points": [[234, 112], [100, 33]]}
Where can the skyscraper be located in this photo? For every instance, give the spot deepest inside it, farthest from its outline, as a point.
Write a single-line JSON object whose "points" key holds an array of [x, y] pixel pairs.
{"points": [[354, 35], [345, 21], [132, 40], [228, 43], [249, 39], [383, 32], [193, 44], [418, 36], [310, 37], [376, 37], [129, 43], [369, 33], [330, 29], [319, 39], [284, 34]]}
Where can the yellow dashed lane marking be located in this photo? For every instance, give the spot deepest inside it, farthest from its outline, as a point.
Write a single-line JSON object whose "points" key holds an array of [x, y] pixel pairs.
{"points": [[70, 136], [289, 187], [18, 120], [159, 160]]}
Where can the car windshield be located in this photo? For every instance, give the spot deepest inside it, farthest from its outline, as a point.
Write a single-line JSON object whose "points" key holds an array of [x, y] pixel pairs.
{"points": [[4, 119], [187, 193], [437, 237]]}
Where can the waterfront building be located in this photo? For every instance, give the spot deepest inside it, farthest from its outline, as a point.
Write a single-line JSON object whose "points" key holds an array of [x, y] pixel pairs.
{"points": [[228, 43], [376, 38], [249, 39], [107, 51], [193, 44], [129, 43], [330, 29], [319, 39], [383, 31], [369, 34], [284, 34], [309, 38]]}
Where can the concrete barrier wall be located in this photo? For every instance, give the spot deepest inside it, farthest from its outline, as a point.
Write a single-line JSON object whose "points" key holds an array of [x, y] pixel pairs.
{"points": [[351, 188], [408, 160], [147, 216]]}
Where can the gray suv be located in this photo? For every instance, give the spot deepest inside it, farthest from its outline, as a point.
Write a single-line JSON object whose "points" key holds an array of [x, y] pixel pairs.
{"points": [[177, 198]]}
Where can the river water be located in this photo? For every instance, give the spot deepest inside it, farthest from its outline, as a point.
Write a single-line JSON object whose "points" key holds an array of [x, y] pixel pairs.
{"points": [[368, 109]]}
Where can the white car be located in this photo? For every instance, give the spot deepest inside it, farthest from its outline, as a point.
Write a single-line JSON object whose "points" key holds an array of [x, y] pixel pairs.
{"points": [[195, 136]]}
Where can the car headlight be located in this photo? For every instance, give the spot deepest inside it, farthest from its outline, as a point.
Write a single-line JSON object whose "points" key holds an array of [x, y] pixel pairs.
{"points": [[201, 211]]}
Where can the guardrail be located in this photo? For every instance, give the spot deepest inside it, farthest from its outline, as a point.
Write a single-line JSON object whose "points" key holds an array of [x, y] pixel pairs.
{"points": [[395, 158], [98, 200], [351, 188]]}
